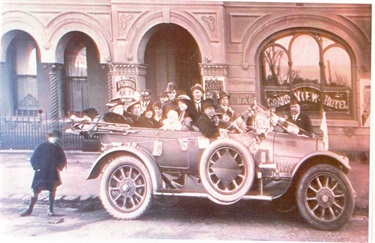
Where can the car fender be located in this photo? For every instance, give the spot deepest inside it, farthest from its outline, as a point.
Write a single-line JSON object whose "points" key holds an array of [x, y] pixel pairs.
{"points": [[342, 160], [135, 151]]}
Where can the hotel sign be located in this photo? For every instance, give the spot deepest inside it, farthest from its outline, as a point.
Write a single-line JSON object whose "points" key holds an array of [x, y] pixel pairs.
{"points": [[311, 98]]}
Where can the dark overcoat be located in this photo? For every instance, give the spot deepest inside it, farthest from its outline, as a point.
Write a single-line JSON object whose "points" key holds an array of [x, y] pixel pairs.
{"points": [[47, 160], [303, 121], [207, 127]]}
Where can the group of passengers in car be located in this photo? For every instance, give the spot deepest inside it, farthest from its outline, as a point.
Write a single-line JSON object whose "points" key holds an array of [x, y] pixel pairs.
{"points": [[175, 111]]}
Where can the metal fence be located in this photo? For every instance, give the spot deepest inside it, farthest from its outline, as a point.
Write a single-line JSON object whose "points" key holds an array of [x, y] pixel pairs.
{"points": [[27, 129]]}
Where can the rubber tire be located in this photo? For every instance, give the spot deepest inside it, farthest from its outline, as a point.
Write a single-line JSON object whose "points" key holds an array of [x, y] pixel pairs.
{"points": [[143, 199], [307, 207], [218, 196]]}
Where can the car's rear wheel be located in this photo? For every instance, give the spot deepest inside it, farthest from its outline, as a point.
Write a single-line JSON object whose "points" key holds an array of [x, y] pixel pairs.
{"points": [[125, 188], [325, 197], [227, 170]]}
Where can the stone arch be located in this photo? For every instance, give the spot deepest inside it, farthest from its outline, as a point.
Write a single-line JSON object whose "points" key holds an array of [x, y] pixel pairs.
{"points": [[145, 23], [14, 21], [254, 38], [70, 22], [263, 30]]}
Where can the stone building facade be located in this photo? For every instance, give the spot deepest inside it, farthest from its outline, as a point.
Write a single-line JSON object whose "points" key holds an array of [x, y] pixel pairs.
{"points": [[69, 55]]}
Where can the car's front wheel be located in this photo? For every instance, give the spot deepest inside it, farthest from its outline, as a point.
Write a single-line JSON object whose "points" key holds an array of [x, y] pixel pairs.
{"points": [[325, 197], [125, 188]]}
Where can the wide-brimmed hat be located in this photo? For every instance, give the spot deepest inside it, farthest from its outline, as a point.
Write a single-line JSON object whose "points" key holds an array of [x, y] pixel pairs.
{"points": [[146, 92], [170, 87], [198, 87], [115, 102], [208, 103], [223, 94], [132, 104], [184, 98]]}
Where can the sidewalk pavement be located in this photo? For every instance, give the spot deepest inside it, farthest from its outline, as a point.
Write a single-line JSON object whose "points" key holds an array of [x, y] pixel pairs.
{"points": [[17, 174]]}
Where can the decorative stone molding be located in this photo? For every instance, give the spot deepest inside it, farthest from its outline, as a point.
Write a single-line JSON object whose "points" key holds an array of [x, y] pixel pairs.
{"points": [[124, 20], [29, 102], [129, 69], [363, 69], [245, 66], [47, 45], [209, 59], [213, 84], [52, 67], [214, 69], [210, 20], [349, 131]]}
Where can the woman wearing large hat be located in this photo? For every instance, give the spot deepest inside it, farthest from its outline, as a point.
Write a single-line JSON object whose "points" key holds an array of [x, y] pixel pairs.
{"points": [[185, 112]]}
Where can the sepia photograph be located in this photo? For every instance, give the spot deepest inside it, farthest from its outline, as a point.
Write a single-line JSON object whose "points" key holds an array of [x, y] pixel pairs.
{"points": [[186, 121]]}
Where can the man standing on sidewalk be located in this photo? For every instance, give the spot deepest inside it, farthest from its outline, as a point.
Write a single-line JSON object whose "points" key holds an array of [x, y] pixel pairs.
{"points": [[47, 160]]}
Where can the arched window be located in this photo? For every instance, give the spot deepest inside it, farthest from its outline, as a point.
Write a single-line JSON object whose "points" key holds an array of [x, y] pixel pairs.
{"points": [[313, 68], [76, 76], [25, 74]]}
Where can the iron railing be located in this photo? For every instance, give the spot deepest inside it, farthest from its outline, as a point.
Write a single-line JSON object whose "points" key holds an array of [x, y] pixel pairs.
{"points": [[25, 130]]}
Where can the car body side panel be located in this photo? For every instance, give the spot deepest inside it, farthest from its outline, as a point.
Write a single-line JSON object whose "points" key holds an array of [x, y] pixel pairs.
{"points": [[289, 149], [143, 155], [171, 149]]}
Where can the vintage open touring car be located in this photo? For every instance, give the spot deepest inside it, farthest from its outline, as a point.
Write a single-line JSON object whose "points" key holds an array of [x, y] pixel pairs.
{"points": [[264, 163]]}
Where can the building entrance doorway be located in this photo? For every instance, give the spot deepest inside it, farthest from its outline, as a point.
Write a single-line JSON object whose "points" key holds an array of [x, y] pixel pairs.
{"points": [[171, 55]]}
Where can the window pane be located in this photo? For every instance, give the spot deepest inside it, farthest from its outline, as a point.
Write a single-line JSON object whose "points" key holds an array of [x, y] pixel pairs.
{"points": [[26, 57], [76, 62], [276, 66], [337, 67], [27, 93], [305, 58]]}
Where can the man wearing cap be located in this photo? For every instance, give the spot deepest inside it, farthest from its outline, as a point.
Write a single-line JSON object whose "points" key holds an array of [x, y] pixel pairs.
{"points": [[47, 160], [207, 126], [197, 93], [185, 111], [146, 100], [224, 104]]}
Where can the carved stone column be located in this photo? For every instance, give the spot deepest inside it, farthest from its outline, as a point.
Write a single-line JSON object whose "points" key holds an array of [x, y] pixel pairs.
{"points": [[109, 68], [54, 92]]}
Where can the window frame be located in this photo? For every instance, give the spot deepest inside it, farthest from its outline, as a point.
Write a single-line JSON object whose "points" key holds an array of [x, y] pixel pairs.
{"points": [[288, 88]]}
